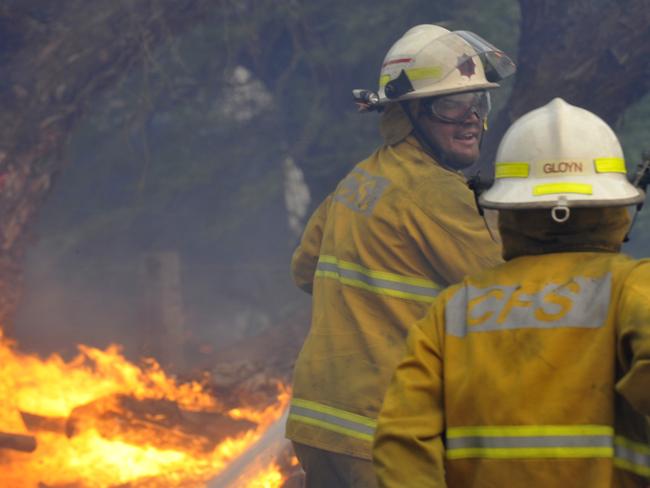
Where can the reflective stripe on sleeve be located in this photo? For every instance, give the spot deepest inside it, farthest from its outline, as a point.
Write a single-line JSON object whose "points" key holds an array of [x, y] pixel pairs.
{"points": [[381, 282], [334, 419], [632, 456]]}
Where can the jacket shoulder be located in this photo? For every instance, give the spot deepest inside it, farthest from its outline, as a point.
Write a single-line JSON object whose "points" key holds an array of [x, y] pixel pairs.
{"points": [[443, 193]]}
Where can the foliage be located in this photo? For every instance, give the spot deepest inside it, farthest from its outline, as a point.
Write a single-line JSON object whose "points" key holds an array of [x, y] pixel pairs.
{"points": [[166, 159], [186, 151], [634, 132]]}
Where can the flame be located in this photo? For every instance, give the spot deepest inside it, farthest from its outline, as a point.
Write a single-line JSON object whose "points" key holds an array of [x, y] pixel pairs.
{"points": [[53, 388], [268, 478]]}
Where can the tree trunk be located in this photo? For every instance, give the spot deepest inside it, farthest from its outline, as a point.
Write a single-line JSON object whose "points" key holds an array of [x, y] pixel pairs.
{"points": [[595, 54], [55, 59]]}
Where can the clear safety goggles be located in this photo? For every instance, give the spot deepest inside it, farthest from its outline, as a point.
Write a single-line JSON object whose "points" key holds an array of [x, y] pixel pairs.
{"points": [[457, 107]]}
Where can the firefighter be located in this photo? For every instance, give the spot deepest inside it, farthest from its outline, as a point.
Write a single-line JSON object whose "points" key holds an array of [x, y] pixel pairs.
{"points": [[399, 227], [535, 373]]}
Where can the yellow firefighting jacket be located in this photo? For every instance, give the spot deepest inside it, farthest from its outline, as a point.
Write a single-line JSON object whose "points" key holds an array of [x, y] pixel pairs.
{"points": [[533, 374], [375, 254]]}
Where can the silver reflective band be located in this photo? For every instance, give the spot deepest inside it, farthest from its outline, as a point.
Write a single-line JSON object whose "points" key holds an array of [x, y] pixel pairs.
{"points": [[581, 302], [360, 191], [377, 281], [525, 442], [333, 419], [548, 441], [632, 456]]}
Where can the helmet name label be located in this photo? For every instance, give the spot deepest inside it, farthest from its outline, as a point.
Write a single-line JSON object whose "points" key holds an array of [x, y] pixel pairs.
{"points": [[573, 157], [563, 167]]}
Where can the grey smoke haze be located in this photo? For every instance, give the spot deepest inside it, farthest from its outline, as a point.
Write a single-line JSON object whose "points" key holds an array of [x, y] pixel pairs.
{"points": [[170, 184]]}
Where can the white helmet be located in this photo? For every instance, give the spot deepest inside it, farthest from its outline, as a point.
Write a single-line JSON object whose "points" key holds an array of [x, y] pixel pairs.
{"points": [[560, 156], [429, 60]]}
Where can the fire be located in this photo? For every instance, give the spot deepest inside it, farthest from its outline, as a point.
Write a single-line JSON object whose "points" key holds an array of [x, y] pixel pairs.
{"points": [[101, 421], [268, 478]]}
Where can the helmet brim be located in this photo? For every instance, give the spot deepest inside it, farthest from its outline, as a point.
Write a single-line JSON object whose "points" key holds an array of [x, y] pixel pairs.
{"points": [[519, 195]]}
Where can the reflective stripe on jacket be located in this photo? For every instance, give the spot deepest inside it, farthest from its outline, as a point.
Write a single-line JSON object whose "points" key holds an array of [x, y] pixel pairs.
{"points": [[533, 374], [375, 254], [547, 442]]}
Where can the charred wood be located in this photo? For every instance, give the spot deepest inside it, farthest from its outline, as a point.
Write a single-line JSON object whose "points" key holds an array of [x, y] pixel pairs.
{"points": [[55, 61], [160, 423], [40, 423], [17, 442]]}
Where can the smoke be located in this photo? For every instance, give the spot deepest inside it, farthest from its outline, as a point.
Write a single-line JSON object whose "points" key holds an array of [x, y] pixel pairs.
{"points": [[296, 196], [175, 307], [185, 158]]}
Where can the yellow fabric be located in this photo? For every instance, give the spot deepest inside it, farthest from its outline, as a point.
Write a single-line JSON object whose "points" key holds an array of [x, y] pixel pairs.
{"points": [[526, 232], [529, 375], [399, 221]]}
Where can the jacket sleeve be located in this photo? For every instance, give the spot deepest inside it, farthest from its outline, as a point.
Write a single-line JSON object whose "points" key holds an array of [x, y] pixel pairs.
{"points": [[408, 449], [305, 257], [633, 314], [451, 234]]}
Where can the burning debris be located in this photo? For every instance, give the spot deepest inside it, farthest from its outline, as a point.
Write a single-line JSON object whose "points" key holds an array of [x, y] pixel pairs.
{"points": [[101, 421], [157, 422], [17, 442]]}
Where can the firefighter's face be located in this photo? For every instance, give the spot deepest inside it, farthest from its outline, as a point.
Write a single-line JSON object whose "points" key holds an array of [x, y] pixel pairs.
{"points": [[458, 143]]}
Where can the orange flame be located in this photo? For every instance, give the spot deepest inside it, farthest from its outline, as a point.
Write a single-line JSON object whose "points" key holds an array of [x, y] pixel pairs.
{"points": [[53, 388], [271, 477]]}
